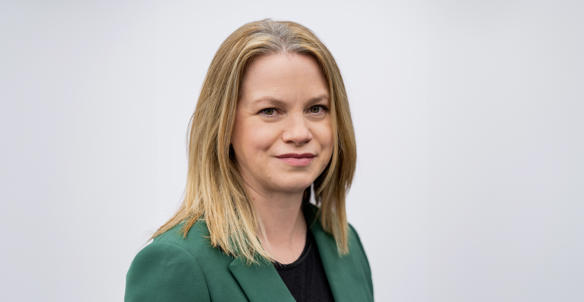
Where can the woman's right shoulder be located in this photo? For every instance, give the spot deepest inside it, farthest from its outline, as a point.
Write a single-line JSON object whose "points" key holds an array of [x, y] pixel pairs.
{"points": [[168, 268], [197, 237]]}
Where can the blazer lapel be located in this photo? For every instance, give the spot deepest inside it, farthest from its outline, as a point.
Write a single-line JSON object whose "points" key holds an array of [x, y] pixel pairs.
{"points": [[340, 271], [260, 282]]}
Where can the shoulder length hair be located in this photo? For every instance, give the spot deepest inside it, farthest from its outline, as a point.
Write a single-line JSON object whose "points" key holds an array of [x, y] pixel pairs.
{"points": [[214, 188]]}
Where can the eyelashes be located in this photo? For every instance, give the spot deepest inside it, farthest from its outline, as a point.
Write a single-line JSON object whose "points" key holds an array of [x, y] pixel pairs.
{"points": [[316, 110], [268, 111], [322, 109]]}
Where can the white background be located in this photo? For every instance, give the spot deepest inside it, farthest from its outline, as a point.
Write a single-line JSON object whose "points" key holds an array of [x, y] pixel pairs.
{"points": [[468, 115]]}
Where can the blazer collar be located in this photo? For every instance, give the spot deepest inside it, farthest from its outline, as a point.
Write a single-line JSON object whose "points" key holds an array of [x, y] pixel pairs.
{"points": [[261, 282]]}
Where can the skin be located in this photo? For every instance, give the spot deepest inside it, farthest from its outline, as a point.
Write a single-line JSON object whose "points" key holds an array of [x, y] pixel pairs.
{"points": [[283, 108]]}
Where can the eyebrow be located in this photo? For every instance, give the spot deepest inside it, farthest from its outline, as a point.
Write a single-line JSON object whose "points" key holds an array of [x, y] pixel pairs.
{"points": [[279, 102]]}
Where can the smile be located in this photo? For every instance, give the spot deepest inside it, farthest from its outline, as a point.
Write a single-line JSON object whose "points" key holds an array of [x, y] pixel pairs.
{"points": [[297, 160]]}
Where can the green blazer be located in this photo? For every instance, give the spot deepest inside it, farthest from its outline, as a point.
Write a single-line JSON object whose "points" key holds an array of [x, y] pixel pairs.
{"points": [[175, 269]]}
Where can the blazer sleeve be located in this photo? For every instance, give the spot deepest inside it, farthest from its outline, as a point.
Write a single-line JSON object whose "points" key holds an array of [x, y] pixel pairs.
{"points": [[165, 272], [364, 261]]}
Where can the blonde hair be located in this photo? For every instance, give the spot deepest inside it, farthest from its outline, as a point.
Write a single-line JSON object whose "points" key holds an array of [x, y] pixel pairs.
{"points": [[214, 189]]}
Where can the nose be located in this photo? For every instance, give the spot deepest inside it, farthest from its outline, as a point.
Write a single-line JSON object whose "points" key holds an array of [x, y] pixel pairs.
{"points": [[297, 131]]}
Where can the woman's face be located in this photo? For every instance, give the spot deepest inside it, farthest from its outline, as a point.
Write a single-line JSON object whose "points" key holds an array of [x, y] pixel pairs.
{"points": [[282, 136]]}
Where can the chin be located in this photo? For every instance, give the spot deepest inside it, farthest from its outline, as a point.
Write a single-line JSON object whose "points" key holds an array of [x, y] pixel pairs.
{"points": [[294, 187]]}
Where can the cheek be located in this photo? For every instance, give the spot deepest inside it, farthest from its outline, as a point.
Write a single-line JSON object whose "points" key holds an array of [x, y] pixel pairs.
{"points": [[254, 138], [324, 133], [262, 137]]}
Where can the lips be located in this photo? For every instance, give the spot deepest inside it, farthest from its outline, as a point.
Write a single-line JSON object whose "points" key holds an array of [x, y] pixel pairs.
{"points": [[297, 159], [296, 155]]}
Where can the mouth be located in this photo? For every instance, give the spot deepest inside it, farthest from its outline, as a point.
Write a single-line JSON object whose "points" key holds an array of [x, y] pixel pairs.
{"points": [[297, 159], [296, 155]]}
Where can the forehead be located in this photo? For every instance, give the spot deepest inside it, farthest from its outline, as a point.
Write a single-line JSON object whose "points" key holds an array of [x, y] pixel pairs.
{"points": [[283, 76]]}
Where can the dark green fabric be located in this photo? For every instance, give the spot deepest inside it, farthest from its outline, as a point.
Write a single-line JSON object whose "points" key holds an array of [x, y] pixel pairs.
{"points": [[173, 268]]}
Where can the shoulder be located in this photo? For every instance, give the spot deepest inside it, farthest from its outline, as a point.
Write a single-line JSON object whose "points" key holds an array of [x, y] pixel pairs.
{"points": [[168, 268], [357, 251], [355, 244], [195, 240]]}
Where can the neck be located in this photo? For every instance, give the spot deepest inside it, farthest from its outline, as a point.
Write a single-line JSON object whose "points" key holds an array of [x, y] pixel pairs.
{"points": [[283, 226]]}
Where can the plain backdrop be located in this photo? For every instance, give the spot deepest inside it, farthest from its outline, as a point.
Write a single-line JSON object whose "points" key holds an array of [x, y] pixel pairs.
{"points": [[468, 116]]}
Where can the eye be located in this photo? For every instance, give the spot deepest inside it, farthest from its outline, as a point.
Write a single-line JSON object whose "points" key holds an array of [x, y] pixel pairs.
{"points": [[268, 111], [318, 109]]}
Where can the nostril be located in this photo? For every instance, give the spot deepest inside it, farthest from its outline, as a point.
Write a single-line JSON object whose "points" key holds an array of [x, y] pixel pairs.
{"points": [[297, 137], [297, 133]]}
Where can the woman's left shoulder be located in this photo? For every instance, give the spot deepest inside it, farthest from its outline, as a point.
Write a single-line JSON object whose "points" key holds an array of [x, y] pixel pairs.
{"points": [[354, 235], [357, 251], [355, 244]]}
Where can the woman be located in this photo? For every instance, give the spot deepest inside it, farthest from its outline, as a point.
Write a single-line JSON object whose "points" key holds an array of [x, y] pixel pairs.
{"points": [[272, 125]]}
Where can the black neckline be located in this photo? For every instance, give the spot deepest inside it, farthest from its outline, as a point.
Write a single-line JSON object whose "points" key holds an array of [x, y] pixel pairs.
{"points": [[305, 252]]}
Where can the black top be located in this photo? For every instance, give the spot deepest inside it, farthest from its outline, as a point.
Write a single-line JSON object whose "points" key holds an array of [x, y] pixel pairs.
{"points": [[305, 277]]}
